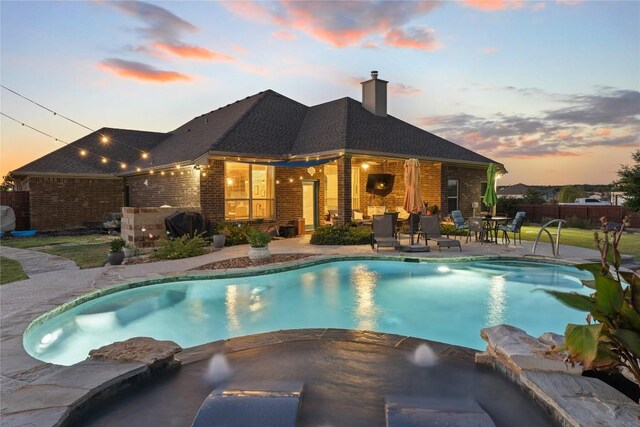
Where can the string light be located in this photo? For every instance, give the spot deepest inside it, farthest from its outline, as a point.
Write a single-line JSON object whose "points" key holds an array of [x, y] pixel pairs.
{"points": [[104, 139], [72, 121], [151, 172], [123, 165], [83, 153], [145, 155], [162, 173], [104, 160], [204, 174], [138, 169]]}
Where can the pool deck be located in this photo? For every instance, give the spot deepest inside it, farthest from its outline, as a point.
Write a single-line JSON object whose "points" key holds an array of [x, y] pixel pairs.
{"points": [[22, 302]]}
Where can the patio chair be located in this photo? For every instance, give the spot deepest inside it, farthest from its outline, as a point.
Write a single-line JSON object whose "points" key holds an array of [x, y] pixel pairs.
{"points": [[475, 226], [430, 228], [514, 228], [383, 233], [333, 214], [459, 222]]}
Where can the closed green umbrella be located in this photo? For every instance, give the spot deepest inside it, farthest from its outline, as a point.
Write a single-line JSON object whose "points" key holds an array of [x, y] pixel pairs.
{"points": [[490, 198]]}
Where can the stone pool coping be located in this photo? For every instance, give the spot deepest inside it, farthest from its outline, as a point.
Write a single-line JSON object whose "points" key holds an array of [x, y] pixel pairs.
{"points": [[19, 369]]}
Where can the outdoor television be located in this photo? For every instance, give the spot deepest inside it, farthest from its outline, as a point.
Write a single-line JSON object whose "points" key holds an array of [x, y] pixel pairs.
{"points": [[380, 184]]}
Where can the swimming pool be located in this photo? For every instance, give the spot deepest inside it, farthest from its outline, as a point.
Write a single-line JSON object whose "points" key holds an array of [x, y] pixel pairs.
{"points": [[442, 302]]}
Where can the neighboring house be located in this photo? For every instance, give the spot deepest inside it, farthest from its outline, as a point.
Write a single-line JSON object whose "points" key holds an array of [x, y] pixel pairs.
{"points": [[263, 157], [516, 191]]}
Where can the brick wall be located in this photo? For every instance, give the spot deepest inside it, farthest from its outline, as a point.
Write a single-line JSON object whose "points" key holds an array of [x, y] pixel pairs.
{"points": [[180, 189], [151, 220], [212, 191], [67, 203], [289, 193], [469, 180], [344, 190], [430, 185]]}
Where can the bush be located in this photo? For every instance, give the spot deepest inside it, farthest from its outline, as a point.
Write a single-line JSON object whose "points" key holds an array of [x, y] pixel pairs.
{"points": [[341, 235], [578, 222], [235, 234], [117, 244], [180, 247], [450, 230], [507, 205], [257, 238]]}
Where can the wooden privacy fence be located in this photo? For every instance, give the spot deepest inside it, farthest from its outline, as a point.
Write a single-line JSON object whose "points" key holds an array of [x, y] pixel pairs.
{"points": [[19, 202], [536, 213]]}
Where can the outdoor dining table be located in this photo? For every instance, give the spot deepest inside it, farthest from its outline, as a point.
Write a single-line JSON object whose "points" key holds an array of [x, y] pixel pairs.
{"points": [[492, 224]]}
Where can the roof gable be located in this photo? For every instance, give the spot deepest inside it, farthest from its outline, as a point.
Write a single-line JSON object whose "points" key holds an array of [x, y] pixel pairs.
{"points": [[119, 149]]}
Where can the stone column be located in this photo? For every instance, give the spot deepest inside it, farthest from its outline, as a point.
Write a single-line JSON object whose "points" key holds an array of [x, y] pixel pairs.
{"points": [[344, 190]]}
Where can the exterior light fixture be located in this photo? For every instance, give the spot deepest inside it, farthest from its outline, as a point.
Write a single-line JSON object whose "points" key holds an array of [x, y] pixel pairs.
{"points": [[365, 166], [229, 181], [196, 167], [311, 170]]}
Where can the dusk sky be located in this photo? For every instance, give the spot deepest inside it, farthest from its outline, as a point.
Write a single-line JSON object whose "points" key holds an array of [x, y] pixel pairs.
{"points": [[549, 88]]}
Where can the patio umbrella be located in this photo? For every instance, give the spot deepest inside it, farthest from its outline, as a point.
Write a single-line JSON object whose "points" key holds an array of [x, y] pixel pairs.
{"points": [[490, 198], [412, 199]]}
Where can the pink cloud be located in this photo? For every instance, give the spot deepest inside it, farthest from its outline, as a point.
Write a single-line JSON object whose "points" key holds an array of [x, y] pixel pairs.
{"points": [[493, 5], [340, 24], [538, 7], [193, 52], [284, 35], [140, 71], [416, 38], [253, 69], [401, 89]]}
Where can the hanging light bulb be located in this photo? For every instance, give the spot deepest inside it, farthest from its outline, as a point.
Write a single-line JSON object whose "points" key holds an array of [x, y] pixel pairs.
{"points": [[177, 166], [145, 155], [123, 165], [104, 160], [204, 174], [104, 139], [162, 173], [151, 172], [83, 153], [138, 169]]}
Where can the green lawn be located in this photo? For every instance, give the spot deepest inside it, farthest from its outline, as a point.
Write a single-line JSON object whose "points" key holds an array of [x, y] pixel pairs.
{"points": [[629, 243], [10, 271], [39, 241], [85, 255]]}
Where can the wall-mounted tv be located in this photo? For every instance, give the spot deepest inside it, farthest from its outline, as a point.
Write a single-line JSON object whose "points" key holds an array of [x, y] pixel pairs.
{"points": [[380, 184]]}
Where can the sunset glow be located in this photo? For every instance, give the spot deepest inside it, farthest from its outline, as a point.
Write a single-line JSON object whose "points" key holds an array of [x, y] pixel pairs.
{"points": [[551, 89]]}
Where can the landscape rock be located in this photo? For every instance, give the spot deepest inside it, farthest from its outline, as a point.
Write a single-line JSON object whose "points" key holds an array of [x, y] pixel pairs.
{"points": [[140, 349]]}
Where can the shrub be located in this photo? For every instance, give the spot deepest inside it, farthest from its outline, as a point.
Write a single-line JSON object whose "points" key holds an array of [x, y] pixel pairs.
{"points": [[235, 234], [341, 235], [450, 230], [611, 337], [507, 205], [257, 238], [578, 222], [180, 247], [117, 244]]}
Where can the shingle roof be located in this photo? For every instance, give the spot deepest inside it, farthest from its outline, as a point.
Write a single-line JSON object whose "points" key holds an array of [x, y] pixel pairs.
{"points": [[515, 189], [68, 160], [267, 124]]}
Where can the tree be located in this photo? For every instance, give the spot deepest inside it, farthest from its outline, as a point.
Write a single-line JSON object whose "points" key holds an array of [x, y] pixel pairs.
{"points": [[629, 182], [533, 197], [570, 193], [7, 183]]}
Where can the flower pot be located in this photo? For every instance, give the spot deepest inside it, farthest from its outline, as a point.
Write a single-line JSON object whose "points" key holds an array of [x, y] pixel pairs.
{"points": [[116, 258], [218, 241], [257, 254]]}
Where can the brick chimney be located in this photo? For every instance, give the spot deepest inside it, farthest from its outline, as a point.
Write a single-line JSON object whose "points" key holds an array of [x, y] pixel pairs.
{"points": [[374, 95]]}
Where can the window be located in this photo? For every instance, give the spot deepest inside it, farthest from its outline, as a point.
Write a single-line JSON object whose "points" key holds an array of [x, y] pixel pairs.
{"points": [[331, 188], [452, 195], [248, 191]]}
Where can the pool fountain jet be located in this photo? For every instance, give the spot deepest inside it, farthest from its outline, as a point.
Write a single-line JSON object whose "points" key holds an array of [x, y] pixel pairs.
{"points": [[218, 370], [424, 356]]}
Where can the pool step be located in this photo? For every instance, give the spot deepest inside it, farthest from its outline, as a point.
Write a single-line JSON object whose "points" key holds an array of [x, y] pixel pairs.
{"points": [[270, 404], [410, 411]]}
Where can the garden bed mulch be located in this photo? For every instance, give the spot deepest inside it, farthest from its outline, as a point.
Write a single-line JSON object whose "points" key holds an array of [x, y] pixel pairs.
{"points": [[244, 262]]}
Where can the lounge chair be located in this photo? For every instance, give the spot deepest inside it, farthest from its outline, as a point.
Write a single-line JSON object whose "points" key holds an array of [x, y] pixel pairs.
{"points": [[383, 233], [430, 228], [514, 228], [459, 222]]}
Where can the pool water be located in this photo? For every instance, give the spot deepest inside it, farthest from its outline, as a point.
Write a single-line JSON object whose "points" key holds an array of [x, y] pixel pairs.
{"points": [[442, 302]]}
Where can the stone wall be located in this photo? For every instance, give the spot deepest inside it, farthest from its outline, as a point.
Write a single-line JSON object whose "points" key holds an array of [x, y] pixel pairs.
{"points": [[179, 187], [151, 219], [59, 203]]}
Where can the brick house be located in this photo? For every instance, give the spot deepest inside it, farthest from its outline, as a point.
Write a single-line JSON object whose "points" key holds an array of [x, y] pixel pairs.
{"points": [[263, 157]]}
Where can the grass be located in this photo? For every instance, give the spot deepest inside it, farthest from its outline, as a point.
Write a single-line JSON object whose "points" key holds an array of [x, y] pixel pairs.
{"points": [[10, 271], [86, 255], [39, 241], [629, 243]]}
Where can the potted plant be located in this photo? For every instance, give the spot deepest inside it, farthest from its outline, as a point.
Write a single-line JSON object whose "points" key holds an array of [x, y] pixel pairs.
{"points": [[432, 209], [116, 255], [259, 242], [219, 235]]}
